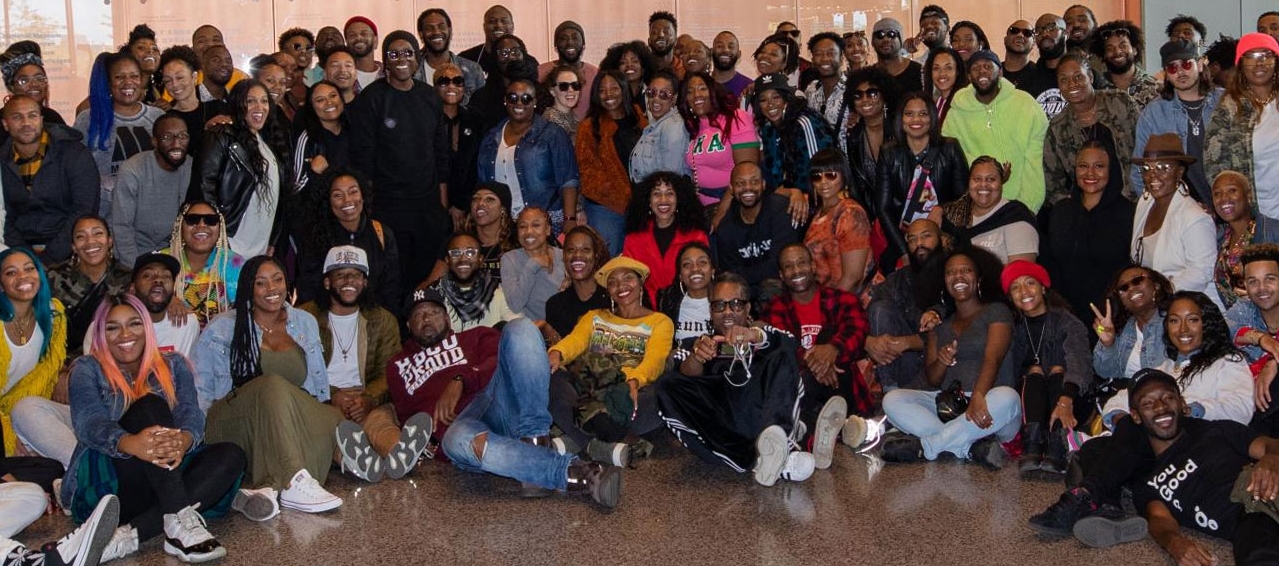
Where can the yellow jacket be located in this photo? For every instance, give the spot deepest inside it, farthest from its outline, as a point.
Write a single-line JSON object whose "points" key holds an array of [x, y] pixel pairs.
{"points": [[640, 345], [40, 381]]}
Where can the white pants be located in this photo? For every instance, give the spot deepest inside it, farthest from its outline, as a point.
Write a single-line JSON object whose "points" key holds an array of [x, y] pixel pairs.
{"points": [[21, 503], [45, 427]]}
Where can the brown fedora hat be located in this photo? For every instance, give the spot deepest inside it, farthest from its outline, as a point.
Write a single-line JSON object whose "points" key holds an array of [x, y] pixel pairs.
{"points": [[1164, 147]]}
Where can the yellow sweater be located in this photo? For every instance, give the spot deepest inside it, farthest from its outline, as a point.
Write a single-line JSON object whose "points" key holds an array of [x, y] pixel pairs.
{"points": [[40, 381], [642, 344]]}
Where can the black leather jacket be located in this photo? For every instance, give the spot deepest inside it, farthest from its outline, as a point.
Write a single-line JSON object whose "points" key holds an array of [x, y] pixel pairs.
{"points": [[948, 169], [223, 175]]}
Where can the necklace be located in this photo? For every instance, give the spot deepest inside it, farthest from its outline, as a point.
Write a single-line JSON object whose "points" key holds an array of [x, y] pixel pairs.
{"points": [[1034, 345], [270, 329], [24, 328], [344, 348], [1194, 115]]}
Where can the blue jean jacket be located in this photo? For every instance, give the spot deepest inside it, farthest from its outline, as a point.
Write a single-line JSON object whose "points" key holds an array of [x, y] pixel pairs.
{"points": [[661, 147], [213, 356], [1244, 314], [1162, 116], [545, 163], [96, 409], [1109, 362]]}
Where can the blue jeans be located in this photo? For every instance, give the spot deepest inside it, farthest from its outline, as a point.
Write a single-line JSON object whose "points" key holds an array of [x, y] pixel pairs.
{"points": [[915, 412], [514, 405], [610, 225]]}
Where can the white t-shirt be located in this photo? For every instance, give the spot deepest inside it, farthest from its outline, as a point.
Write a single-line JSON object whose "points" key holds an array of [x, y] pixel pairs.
{"points": [[505, 172], [1134, 357], [23, 358], [1007, 240], [366, 78], [254, 231], [694, 318], [168, 338], [344, 363], [1265, 160]]}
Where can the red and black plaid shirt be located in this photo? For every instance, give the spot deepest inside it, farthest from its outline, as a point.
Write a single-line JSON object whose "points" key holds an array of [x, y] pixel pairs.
{"points": [[844, 326]]}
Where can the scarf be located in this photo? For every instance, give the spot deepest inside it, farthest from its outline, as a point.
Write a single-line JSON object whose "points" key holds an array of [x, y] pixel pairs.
{"points": [[470, 304]]}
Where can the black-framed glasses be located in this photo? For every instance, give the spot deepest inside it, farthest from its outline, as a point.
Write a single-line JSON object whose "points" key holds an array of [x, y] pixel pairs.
{"points": [[889, 33], [299, 46], [468, 253], [510, 52], [1135, 281], [455, 81], [1117, 32], [816, 176], [660, 94], [210, 220], [405, 54], [1177, 66], [1024, 32], [567, 86], [523, 99], [738, 305], [872, 93]]}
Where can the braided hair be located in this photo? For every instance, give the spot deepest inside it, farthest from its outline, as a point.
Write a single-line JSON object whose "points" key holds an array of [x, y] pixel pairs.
{"points": [[246, 362]]}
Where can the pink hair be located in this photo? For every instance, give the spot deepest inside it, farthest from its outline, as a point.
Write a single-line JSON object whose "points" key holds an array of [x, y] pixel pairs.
{"points": [[152, 361]]}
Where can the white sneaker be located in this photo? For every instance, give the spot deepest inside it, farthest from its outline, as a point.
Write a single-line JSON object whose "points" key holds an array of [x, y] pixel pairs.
{"points": [[187, 538], [306, 495], [829, 423], [85, 544], [770, 448], [124, 541], [414, 438], [257, 504], [799, 466], [864, 434], [358, 456]]}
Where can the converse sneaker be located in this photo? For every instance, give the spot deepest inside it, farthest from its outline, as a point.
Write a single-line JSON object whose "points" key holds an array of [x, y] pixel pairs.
{"points": [[187, 538], [358, 456], [305, 494], [799, 466], [603, 483], [829, 423], [611, 453], [124, 541], [80, 547], [863, 434], [772, 449], [414, 438], [1109, 527], [1060, 518], [257, 504]]}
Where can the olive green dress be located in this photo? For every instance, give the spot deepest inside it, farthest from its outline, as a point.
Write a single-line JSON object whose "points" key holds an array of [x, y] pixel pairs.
{"points": [[280, 426]]}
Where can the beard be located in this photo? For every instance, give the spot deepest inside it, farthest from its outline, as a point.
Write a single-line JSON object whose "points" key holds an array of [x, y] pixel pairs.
{"points": [[1120, 68], [336, 297], [174, 164], [994, 87], [725, 66], [920, 265], [447, 42], [1058, 49]]}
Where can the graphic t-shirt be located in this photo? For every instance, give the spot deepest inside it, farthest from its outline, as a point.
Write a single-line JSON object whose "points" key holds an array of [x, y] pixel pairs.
{"points": [[416, 377], [710, 155], [810, 321]]}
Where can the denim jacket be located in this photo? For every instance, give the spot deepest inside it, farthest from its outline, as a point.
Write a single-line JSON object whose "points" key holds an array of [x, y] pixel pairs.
{"points": [[661, 147], [1162, 116], [1245, 314], [213, 356], [1109, 362], [96, 409], [471, 73], [545, 162]]}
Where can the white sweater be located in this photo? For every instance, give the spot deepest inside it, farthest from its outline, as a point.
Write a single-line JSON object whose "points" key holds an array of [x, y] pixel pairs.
{"points": [[1224, 390]]}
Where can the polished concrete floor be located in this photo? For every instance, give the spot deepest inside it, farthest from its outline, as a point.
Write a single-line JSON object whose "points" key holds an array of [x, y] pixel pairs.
{"points": [[675, 510]]}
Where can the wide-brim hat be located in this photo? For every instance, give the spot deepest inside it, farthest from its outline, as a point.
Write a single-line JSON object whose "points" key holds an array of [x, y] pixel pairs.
{"points": [[620, 262], [1164, 147]]}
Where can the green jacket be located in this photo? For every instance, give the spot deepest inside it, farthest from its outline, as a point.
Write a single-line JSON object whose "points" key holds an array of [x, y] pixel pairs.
{"points": [[1228, 140], [377, 339], [1117, 112], [1143, 89], [1011, 129]]}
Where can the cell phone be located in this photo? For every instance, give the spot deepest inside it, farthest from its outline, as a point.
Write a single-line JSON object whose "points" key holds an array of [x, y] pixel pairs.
{"points": [[726, 350]]}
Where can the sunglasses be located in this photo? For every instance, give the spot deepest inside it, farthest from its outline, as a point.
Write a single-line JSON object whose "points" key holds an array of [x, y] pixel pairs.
{"points": [[790, 32], [660, 94], [1135, 281], [873, 93], [889, 33], [298, 46], [1047, 28], [1174, 67], [468, 253], [405, 54], [210, 220], [524, 99], [1121, 32], [816, 176], [738, 305], [565, 87], [1156, 167], [1260, 56], [1025, 32], [455, 81]]}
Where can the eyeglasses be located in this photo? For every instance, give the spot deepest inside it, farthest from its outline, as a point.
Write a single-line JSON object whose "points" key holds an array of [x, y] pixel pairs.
{"points": [[1025, 32], [738, 305], [660, 94], [1047, 28], [210, 220], [170, 137], [790, 32], [403, 54], [1118, 32], [1260, 56], [567, 86], [1123, 288], [816, 176], [1160, 167], [852, 34], [468, 253], [873, 93], [32, 80], [510, 52], [1175, 66], [525, 99], [298, 46], [889, 33], [455, 81]]}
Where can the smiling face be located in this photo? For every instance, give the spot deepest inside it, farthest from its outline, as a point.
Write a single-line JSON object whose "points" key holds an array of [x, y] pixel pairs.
{"points": [[463, 258], [631, 67], [154, 286], [1092, 170], [257, 108], [486, 208], [625, 287], [697, 58], [985, 186], [327, 103], [446, 86], [19, 278], [436, 34], [965, 41], [345, 285], [269, 289], [661, 96], [579, 257], [1120, 54], [360, 38], [856, 50], [944, 72], [302, 50], [725, 51], [1261, 279], [1159, 410], [346, 200], [961, 278], [569, 44], [200, 238], [933, 31], [795, 265], [661, 37], [1137, 291], [1027, 295], [772, 105], [697, 95], [498, 22], [275, 80], [984, 75], [340, 70], [31, 80], [179, 81], [695, 271], [827, 58], [1231, 199], [521, 102], [91, 242], [23, 120], [1162, 177], [400, 61], [1079, 23], [1184, 325], [533, 228], [147, 54], [610, 96], [1019, 43], [1074, 82], [171, 141], [1258, 67], [747, 182], [868, 100], [126, 82], [916, 121], [770, 59], [126, 335], [661, 202], [217, 64]]}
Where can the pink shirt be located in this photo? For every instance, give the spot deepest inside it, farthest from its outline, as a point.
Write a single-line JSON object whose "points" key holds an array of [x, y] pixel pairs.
{"points": [[711, 159]]}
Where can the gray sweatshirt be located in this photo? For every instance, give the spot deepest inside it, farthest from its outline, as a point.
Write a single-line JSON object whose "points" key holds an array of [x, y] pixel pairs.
{"points": [[144, 204]]}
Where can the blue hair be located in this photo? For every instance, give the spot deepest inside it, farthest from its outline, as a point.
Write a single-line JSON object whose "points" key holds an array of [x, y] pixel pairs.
{"points": [[43, 304], [101, 109]]}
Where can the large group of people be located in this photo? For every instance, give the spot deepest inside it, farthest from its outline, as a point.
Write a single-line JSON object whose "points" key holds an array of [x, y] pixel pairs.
{"points": [[365, 251]]}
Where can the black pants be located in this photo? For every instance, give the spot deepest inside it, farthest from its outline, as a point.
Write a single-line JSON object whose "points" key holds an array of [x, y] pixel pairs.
{"points": [[1268, 422], [720, 422], [907, 371], [148, 492], [1255, 540], [421, 232], [1110, 462], [564, 401]]}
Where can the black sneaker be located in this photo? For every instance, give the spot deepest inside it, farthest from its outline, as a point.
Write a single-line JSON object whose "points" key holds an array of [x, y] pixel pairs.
{"points": [[1060, 518], [902, 448], [988, 452], [603, 483], [1108, 527]]}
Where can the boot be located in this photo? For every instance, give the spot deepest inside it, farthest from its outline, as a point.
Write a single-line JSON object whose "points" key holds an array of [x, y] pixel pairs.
{"points": [[1032, 447], [603, 483], [532, 490], [1055, 451]]}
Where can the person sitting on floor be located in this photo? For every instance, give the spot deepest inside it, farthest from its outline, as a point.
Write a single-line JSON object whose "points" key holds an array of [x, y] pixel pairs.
{"points": [[22, 503], [473, 295], [1251, 320]]}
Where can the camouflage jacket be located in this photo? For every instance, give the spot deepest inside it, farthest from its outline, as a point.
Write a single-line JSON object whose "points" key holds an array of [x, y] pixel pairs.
{"points": [[1228, 140], [1116, 112], [1143, 89]]}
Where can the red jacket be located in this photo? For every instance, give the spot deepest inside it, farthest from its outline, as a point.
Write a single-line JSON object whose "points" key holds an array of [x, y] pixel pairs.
{"points": [[844, 326], [416, 377], [642, 246]]}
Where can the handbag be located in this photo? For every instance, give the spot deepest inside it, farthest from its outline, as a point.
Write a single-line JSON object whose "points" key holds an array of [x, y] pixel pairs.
{"points": [[951, 402]]}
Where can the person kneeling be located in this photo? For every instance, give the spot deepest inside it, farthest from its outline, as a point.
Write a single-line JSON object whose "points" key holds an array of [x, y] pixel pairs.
{"points": [[734, 398]]}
